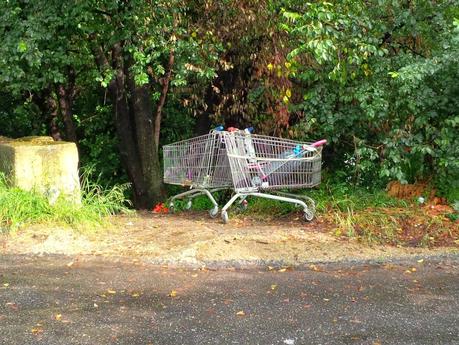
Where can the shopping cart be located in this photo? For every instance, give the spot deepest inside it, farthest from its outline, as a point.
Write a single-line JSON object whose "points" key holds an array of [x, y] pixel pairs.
{"points": [[200, 163], [262, 166]]}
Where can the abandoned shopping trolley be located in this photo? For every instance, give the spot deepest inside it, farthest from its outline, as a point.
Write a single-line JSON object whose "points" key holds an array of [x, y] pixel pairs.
{"points": [[200, 163], [261, 166]]}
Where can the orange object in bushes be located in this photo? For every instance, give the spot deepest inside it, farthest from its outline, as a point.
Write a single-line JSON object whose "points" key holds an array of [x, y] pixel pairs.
{"points": [[160, 208]]}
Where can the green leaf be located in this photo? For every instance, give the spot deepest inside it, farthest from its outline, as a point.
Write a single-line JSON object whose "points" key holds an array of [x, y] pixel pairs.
{"points": [[22, 46]]}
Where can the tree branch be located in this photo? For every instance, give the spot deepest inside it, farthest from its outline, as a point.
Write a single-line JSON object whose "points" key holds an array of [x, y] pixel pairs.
{"points": [[162, 100]]}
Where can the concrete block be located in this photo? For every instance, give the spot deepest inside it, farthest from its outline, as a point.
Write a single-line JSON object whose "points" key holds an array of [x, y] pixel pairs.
{"points": [[41, 164]]}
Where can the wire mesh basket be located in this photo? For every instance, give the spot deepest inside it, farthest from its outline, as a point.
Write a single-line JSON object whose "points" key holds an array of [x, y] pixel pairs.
{"points": [[261, 162], [262, 165], [200, 163]]}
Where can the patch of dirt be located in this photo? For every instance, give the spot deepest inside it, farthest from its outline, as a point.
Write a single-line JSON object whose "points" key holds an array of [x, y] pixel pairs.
{"points": [[409, 191], [194, 238]]}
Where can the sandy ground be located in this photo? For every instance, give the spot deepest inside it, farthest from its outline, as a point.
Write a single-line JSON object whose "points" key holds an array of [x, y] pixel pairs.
{"points": [[195, 239]]}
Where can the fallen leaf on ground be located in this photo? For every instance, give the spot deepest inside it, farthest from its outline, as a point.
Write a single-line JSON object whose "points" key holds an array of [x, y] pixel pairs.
{"points": [[58, 317], [273, 287], [240, 313], [173, 293], [135, 294], [110, 291], [421, 260], [314, 268]]}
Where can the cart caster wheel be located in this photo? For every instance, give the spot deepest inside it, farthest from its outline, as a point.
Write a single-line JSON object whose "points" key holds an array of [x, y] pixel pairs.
{"points": [[308, 215], [171, 207], [213, 212], [188, 204], [225, 217]]}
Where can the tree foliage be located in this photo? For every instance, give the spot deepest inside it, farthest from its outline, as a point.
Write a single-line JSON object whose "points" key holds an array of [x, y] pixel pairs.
{"points": [[377, 78]]}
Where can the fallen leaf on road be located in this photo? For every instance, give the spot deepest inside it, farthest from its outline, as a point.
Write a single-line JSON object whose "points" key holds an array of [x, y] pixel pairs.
{"points": [[110, 291], [37, 330], [135, 294], [12, 305], [240, 313], [58, 317], [173, 293], [421, 260]]}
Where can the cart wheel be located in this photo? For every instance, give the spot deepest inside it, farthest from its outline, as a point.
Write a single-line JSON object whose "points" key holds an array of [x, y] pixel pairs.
{"points": [[225, 217], [171, 207], [308, 214], [188, 204], [213, 212]]}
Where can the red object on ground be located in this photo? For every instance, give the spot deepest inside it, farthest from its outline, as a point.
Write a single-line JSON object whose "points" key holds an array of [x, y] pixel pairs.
{"points": [[160, 208]]}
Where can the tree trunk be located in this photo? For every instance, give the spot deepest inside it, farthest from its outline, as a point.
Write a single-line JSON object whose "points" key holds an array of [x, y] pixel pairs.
{"points": [[65, 105], [52, 108], [133, 115]]}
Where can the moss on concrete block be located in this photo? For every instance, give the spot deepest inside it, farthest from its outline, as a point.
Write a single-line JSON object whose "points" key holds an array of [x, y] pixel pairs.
{"points": [[41, 164], [4, 139]]}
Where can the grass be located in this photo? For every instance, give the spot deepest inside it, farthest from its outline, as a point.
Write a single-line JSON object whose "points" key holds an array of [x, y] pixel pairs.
{"points": [[19, 208], [329, 196], [370, 216]]}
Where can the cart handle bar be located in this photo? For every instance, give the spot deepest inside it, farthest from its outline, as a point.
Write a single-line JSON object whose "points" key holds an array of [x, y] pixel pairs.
{"points": [[319, 143]]}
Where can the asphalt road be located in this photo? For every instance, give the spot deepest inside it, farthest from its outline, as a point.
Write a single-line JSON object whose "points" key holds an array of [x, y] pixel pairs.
{"points": [[62, 300]]}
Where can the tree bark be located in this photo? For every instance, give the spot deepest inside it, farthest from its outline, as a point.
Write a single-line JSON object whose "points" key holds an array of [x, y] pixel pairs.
{"points": [[65, 105], [52, 109], [133, 116]]}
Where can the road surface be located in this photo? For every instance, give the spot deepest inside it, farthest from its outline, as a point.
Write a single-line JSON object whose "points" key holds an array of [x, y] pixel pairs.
{"points": [[87, 300]]}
